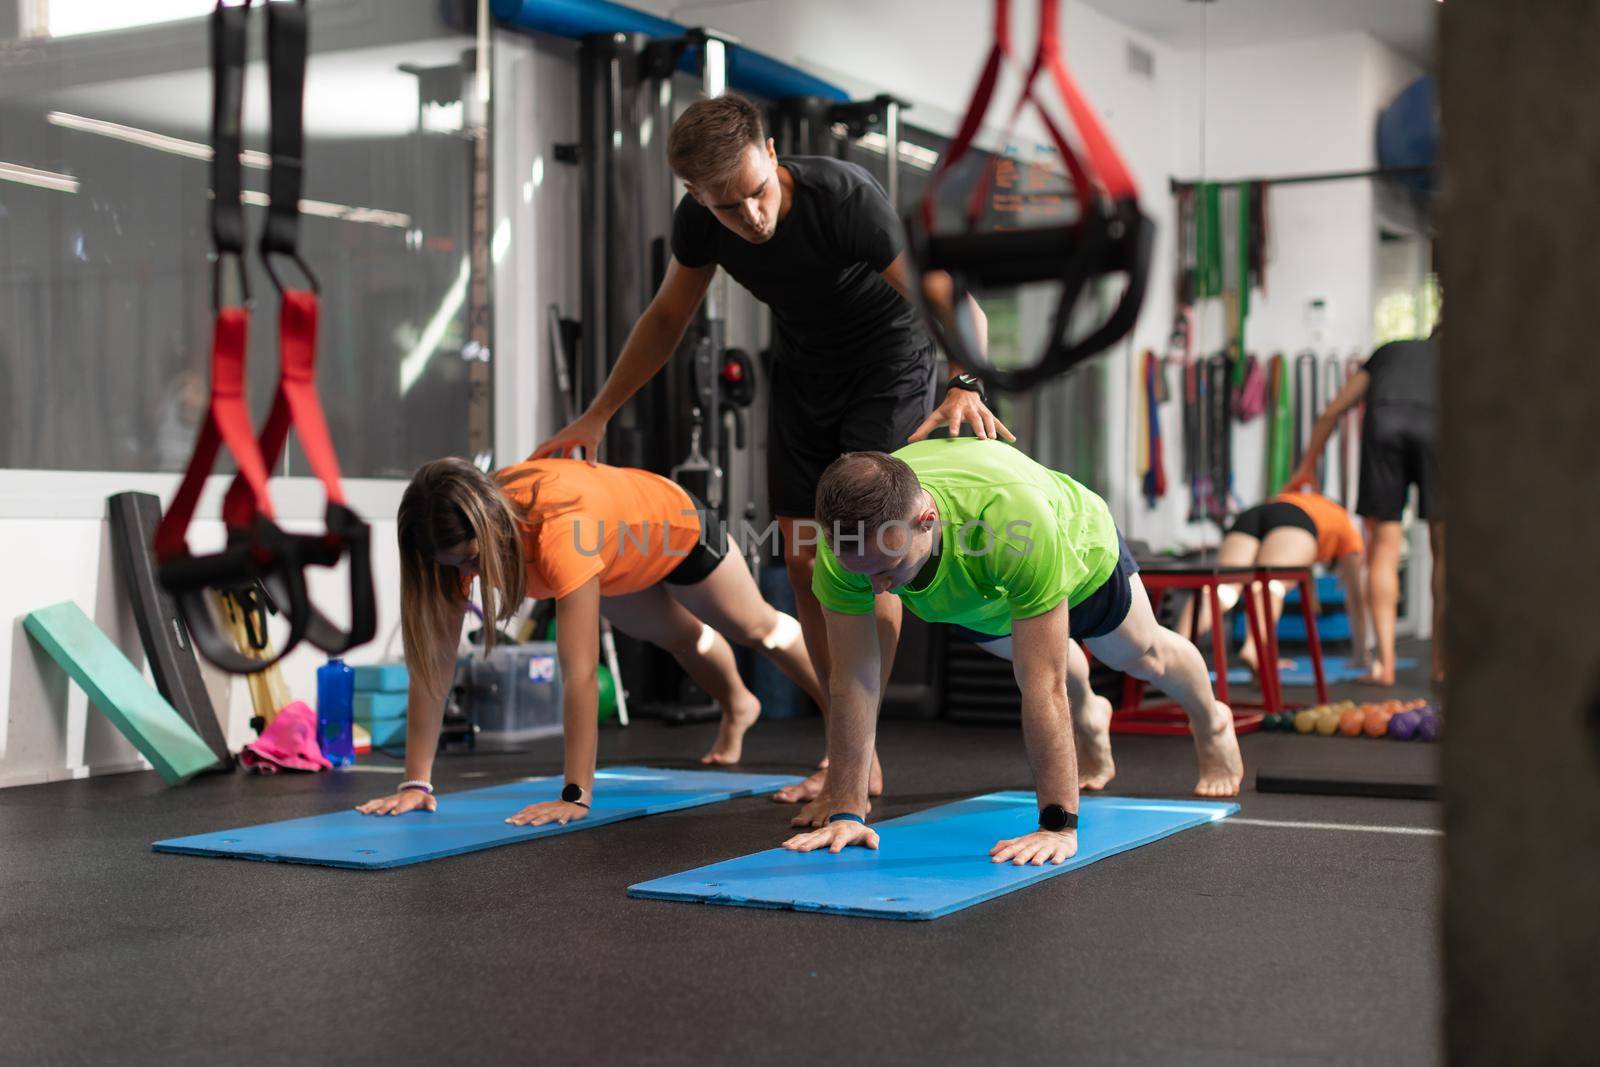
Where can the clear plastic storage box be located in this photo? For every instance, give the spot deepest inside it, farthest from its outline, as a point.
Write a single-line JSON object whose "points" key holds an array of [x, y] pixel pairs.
{"points": [[515, 691]]}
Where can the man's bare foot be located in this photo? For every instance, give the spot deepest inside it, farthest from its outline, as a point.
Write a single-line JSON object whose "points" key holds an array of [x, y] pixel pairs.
{"points": [[729, 745], [811, 788], [1217, 750], [1092, 731]]}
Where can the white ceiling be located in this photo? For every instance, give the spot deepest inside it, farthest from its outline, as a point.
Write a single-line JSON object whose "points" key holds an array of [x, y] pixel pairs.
{"points": [[1405, 25]]}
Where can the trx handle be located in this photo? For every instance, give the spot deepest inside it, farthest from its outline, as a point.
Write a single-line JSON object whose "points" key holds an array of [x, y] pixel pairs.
{"points": [[297, 405]]}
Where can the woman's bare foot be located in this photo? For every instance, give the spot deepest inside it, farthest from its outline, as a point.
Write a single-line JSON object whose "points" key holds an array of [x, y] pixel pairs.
{"points": [[1092, 731], [1377, 674], [736, 720], [812, 787], [1217, 750]]}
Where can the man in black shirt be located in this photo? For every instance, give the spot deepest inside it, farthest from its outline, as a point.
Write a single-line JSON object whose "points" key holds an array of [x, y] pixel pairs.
{"points": [[1399, 384], [816, 240]]}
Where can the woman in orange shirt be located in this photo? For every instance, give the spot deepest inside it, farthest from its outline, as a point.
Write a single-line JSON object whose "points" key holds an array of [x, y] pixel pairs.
{"points": [[598, 540], [1293, 530]]}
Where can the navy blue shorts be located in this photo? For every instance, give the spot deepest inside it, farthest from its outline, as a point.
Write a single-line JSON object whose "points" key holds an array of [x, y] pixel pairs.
{"points": [[1103, 610]]}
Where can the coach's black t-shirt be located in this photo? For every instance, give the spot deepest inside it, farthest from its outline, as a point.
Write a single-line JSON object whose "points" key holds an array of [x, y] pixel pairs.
{"points": [[821, 271], [1404, 372]]}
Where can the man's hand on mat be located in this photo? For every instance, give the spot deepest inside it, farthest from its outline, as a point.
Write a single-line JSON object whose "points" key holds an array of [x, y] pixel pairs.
{"points": [[963, 405], [582, 432], [835, 837], [400, 803], [1037, 848], [549, 811]]}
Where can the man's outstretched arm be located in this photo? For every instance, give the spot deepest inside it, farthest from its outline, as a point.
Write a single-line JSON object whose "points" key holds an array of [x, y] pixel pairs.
{"points": [[651, 343], [853, 695], [1039, 660]]}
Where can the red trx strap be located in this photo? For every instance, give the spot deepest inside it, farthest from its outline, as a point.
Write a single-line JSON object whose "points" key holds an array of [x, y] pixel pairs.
{"points": [[1111, 235], [258, 552]]}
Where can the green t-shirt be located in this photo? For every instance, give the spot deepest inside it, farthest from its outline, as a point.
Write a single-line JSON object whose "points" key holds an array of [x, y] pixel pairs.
{"points": [[1016, 539]]}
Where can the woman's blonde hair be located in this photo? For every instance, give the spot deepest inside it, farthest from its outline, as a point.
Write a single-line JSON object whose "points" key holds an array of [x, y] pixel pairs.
{"points": [[448, 503]]}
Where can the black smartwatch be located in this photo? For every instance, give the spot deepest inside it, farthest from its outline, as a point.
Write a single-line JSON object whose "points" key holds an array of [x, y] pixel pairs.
{"points": [[1055, 818], [573, 794], [969, 382]]}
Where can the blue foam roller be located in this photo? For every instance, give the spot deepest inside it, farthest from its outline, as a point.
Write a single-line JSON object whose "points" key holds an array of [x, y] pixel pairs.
{"points": [[931, 863], [470, 820], [382, 678], [379, 707]]}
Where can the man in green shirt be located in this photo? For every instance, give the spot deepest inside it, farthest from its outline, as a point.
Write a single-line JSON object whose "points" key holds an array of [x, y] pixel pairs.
{"points": [[1028, 562]]}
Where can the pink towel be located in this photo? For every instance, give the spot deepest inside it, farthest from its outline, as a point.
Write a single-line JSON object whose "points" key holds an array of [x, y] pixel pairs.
{"points": [[288, 744]]}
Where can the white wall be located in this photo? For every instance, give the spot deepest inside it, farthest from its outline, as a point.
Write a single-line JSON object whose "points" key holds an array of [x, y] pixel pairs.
{"points": [[57, 544]]}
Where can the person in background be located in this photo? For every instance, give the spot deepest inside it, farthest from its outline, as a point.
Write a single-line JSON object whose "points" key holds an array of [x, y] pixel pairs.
{"points": [[1291, 530], [1400, 386]]}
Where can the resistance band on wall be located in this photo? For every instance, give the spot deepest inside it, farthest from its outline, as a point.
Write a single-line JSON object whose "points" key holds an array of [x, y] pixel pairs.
{"points": [[258, 551], [1110, 236]]}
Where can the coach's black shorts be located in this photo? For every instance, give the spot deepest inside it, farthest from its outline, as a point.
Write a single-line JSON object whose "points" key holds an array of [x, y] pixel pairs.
{"points": [[1274, 514], [1397, 453], [1099, 614], [707, 551], [816, 416]]}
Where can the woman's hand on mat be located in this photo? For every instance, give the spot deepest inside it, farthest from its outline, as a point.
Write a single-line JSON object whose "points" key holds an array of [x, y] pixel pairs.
{"points": [[1037, 848], [583, 432], [835, 837], [963, 405], [400, 803], [557, 811]]}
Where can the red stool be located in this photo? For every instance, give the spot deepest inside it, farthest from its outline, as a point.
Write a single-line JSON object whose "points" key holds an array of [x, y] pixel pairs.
{"points": [[1267, 656], [1168, 718]]}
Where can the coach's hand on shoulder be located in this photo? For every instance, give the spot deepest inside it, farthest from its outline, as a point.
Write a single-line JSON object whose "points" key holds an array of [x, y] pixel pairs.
{"points": [[963, 406], [584, 432]]}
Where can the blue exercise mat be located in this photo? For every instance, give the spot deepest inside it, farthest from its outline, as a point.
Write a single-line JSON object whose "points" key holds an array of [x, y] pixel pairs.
{"points": [[469, 821], [1335, 669], [931, 863]]}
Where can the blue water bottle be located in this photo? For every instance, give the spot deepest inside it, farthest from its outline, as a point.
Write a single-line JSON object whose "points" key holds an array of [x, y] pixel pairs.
{"points": [[336, 697]]}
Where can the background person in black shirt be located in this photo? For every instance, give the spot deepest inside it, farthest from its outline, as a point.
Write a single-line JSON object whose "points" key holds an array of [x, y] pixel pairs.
{"points": [[1400, 385], [816, 240]]}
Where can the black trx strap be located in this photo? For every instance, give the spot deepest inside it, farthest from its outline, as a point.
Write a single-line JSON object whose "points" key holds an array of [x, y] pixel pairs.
{"points": [[258, 552], [1110, 236]]}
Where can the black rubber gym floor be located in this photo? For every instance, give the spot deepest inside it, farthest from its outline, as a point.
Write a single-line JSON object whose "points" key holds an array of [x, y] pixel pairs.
{"points": [[1233, 943]]}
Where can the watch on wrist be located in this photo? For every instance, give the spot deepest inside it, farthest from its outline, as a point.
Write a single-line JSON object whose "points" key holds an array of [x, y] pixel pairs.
{"points": [[573, 794], [1055, 818], [970, 382]]}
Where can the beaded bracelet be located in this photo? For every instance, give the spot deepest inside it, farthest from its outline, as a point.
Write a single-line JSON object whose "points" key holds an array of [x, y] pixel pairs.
{"points": [[418, 784]]}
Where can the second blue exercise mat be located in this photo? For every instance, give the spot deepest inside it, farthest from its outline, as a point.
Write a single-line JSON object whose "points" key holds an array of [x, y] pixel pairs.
{"points": [[469, 821], [1335, 669], [931, 863]]}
